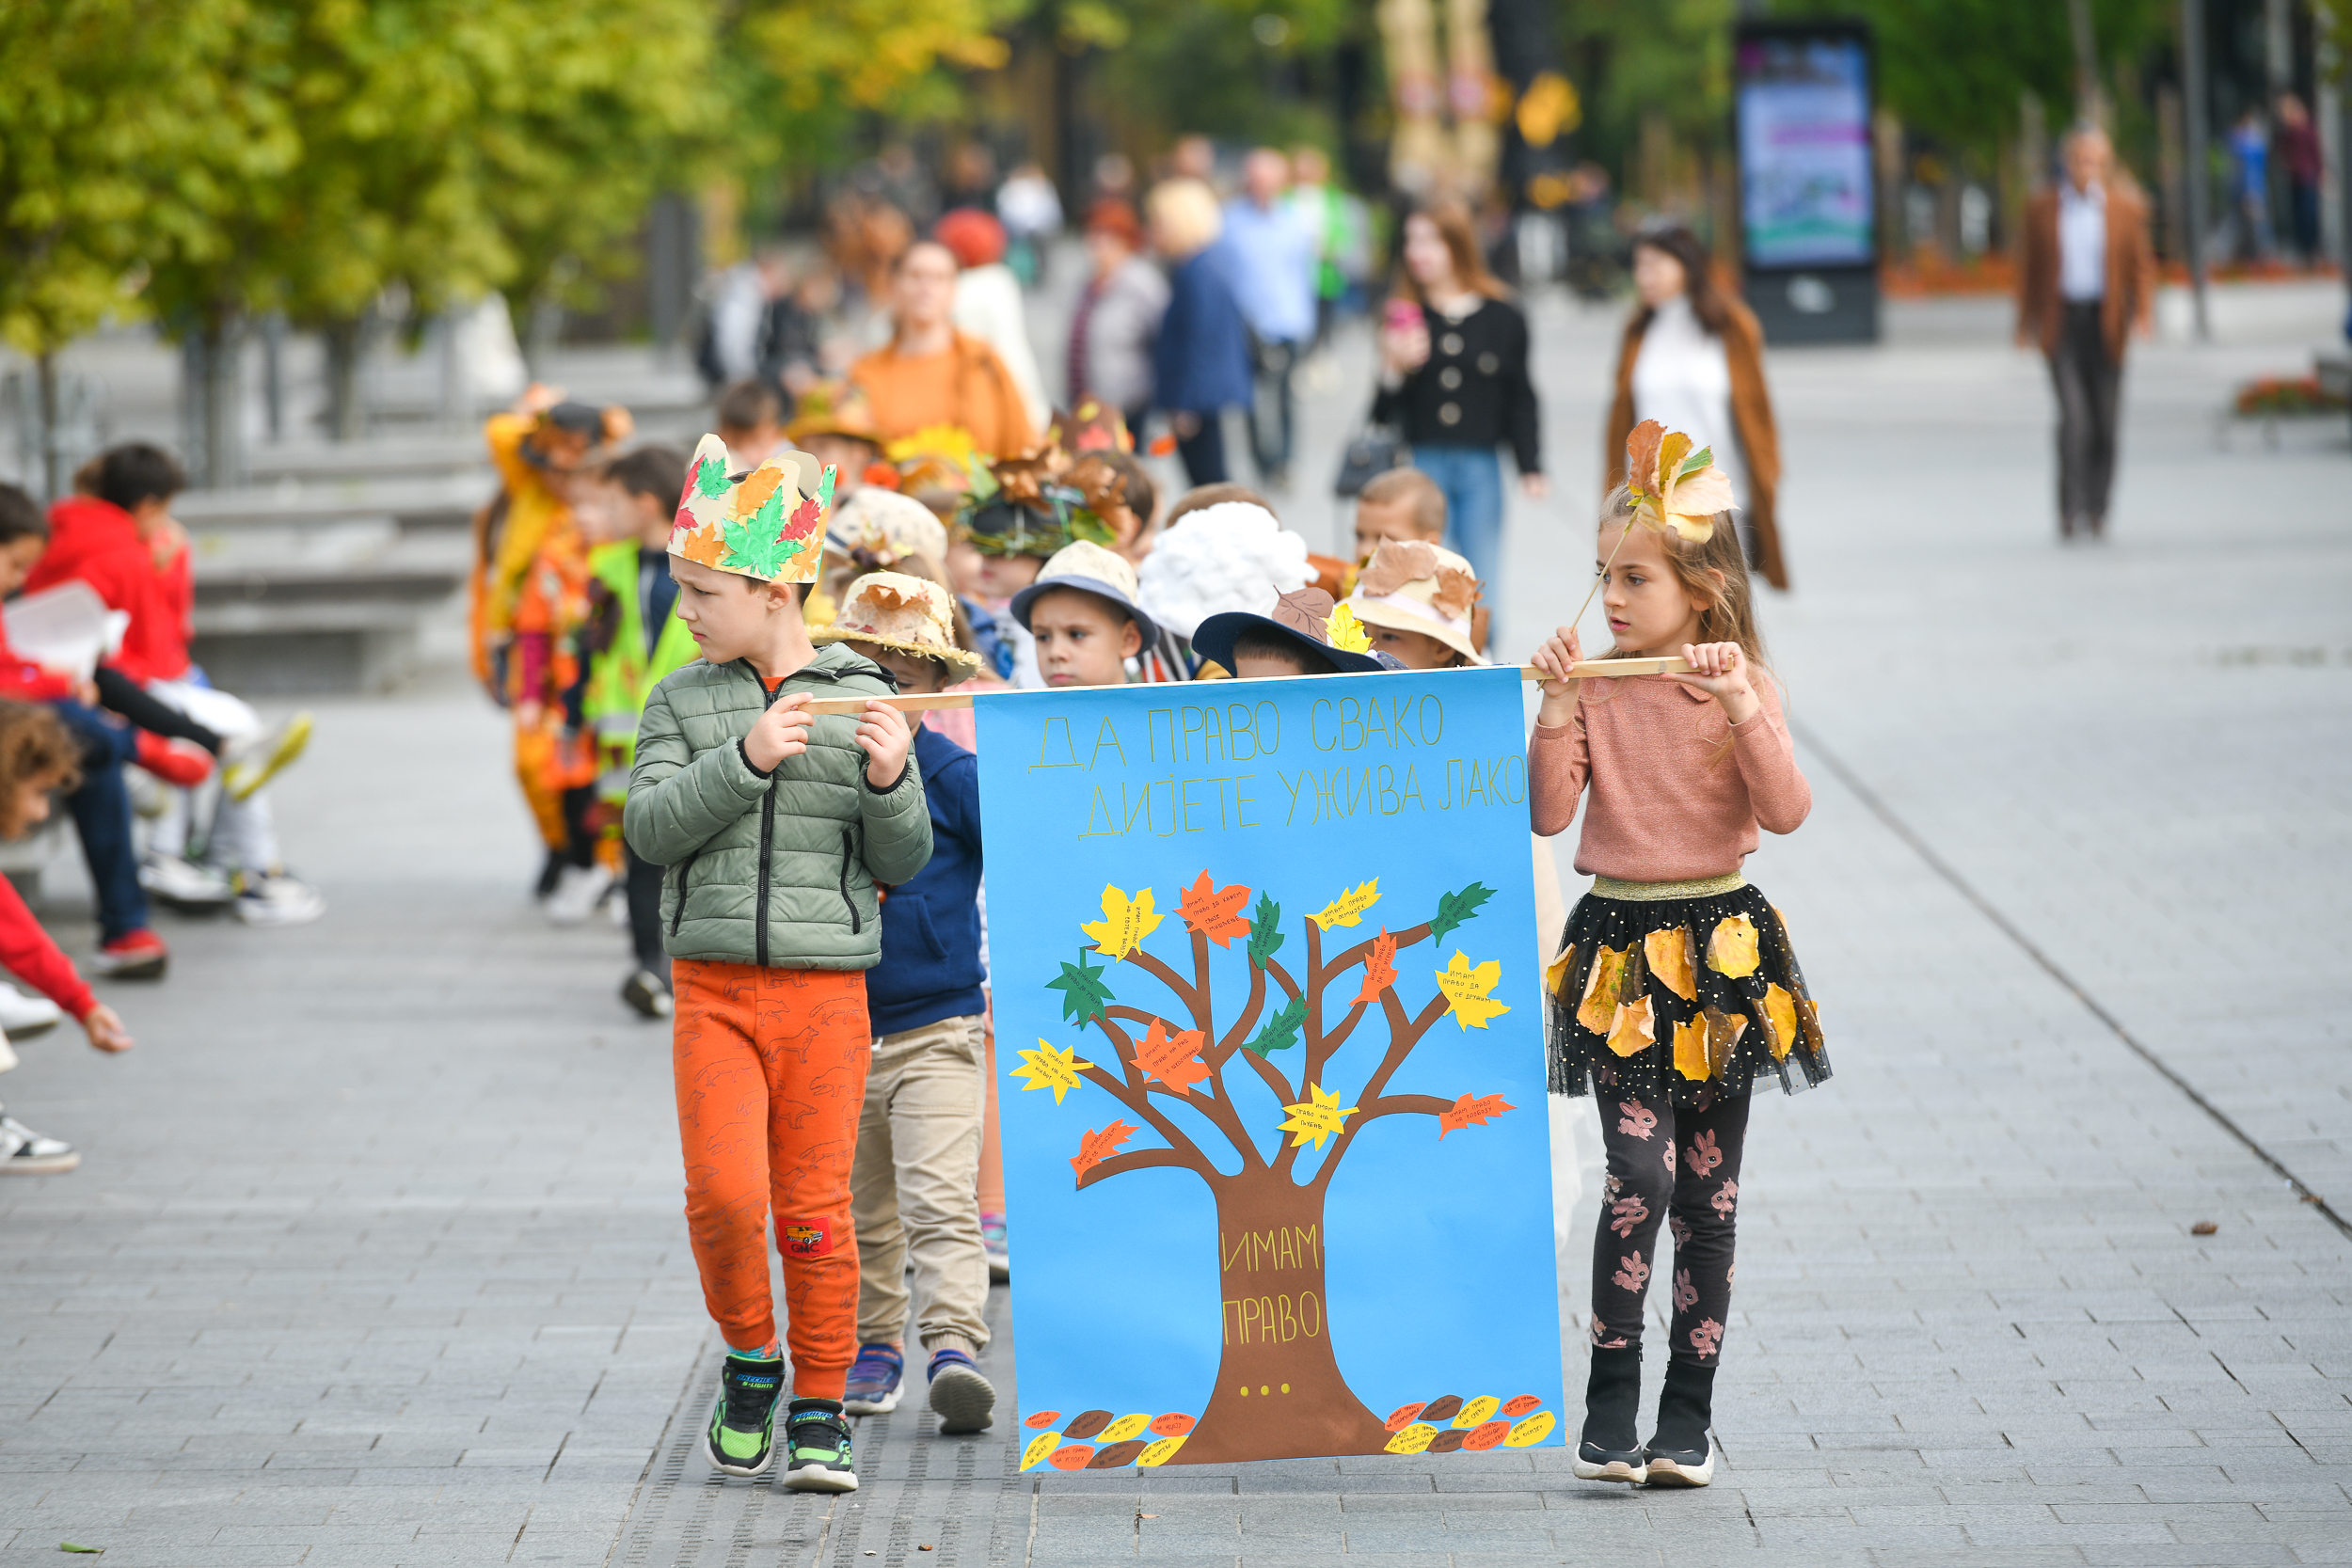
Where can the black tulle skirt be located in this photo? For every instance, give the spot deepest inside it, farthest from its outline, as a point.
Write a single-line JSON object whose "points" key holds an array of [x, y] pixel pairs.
{"points": [[1690, 998]]}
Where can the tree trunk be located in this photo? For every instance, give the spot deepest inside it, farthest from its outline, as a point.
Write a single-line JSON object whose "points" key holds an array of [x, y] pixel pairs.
{"points": [[212, 386], [52, 476], [344, 338], [1280, 1393]]}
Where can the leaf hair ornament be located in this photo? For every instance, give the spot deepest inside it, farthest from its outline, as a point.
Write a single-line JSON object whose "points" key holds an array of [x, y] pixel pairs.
{"points": [[1677, 489]]}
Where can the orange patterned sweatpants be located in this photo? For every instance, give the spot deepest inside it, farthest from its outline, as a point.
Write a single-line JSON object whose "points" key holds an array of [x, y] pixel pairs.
{"points": [[771, 1067]]}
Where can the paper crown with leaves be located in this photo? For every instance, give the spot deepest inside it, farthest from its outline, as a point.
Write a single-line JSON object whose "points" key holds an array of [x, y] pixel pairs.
{"points": [[909, 614], [767, 524], [1675, 485]]}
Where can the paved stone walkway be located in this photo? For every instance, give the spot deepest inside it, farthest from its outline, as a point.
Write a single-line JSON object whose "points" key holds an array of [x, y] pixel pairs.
{"points": [[375, 1257]]}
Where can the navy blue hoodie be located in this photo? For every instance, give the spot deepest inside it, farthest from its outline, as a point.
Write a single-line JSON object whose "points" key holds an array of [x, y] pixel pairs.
{"points": [[931, 926]]}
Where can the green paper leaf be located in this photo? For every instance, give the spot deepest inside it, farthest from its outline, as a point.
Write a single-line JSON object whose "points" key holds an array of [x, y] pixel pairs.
{"points": [[752, 545], [1083, 994], [1454, 907], [1281, 1031], [711, 478], [70, 1546], [1266, 931]]}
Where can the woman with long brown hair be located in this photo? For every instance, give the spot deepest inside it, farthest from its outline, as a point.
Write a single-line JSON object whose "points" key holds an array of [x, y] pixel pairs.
{"points": [[1453, 377], [1693, 360]]}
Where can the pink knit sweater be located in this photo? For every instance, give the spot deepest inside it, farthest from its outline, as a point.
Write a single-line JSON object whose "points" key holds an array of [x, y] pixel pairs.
{"points": [[1666, 807]]}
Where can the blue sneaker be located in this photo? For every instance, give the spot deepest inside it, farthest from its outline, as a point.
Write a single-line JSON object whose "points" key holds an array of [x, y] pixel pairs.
{"points": [[960, 1396], [873, 1388]]}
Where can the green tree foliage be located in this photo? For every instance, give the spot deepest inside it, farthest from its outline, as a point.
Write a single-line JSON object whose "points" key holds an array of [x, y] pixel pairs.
{"points": [[1668, 60], [1173, 65]]}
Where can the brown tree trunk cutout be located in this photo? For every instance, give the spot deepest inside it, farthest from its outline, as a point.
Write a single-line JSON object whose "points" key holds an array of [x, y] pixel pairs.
{"points": [[1280, 1392]]}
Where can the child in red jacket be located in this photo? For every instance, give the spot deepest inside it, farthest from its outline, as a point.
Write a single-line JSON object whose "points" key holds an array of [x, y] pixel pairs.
{"points": [[119, 536], [37, 755]]}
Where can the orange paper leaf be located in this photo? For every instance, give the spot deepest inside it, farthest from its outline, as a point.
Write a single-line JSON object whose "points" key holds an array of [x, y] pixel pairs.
{"points": [[1094, 1147], [1471, 1111], [1213, 911], [1173, 1059], [1379, 967]]}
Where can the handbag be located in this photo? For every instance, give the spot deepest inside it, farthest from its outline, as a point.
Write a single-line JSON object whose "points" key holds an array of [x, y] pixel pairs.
{"points": [[1375, 450]]}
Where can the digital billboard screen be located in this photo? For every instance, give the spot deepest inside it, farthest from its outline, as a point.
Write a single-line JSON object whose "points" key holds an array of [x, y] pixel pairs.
{"points": [[1804, 118]]}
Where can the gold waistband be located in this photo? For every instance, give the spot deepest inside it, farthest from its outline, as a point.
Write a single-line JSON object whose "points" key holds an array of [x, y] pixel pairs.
{"points": [[1703, 887]]}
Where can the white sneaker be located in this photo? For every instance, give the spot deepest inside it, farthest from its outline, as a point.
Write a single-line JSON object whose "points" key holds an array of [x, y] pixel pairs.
{"points": [[576, 893], [274, 898], [254, 763], [8, 1055], [184, 882], [21, 1017], [25, 1152]]}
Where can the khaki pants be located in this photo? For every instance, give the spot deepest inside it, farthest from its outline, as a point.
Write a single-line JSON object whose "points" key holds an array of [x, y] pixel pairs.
{"points": [[911, 1192]]}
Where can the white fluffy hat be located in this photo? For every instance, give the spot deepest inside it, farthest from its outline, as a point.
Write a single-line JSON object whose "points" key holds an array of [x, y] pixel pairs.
{"points": [[1232, 556]]}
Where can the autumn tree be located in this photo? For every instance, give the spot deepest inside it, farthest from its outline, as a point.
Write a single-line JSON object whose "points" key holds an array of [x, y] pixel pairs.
{"points": [[1270, 1214]]}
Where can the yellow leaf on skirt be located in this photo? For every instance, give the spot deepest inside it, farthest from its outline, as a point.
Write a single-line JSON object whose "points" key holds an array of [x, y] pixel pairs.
{"points": [[1556, 973], [1600, 991], [1723, 1033], [1669, 954], [1780, 1011], [1691, 1048], [1732, 949], [1633, 1030]]}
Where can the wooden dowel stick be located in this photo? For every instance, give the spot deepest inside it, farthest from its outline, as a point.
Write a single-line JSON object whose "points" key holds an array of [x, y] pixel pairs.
{"points": [[1591, 669]]}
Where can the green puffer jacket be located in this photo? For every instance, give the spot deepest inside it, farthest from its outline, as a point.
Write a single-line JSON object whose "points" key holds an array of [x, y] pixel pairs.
{"points": [[777, 871]]}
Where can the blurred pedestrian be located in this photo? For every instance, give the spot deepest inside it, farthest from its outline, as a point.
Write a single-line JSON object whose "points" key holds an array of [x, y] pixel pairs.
{"points": [[1200, 362], [2088, 282], [761, 806], [2301, 160], [989, 303], [1193, 157], [37, 757], [1031, 210], [1693, 358], [1118, 316], [1342, 232], [933, 376], [756, 326], [1453, 377], [2249, 143], [123, 542], [1272, 254], [749, 417], [915, 1188]]}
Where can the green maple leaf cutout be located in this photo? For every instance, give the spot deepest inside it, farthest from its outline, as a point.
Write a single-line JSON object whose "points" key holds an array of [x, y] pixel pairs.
{"points": [[1281, 1031], [711, 478], [1265, 933], [1083, 994], [1454, 907], [752, 547], [824, 485]]}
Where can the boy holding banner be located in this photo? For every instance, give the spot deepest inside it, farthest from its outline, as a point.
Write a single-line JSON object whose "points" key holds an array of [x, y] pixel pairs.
{"points": [[914, 1191], [777, 824]]}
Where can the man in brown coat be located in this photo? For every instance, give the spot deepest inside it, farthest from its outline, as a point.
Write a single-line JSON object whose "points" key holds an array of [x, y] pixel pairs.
{"points": [[2088, 281]]}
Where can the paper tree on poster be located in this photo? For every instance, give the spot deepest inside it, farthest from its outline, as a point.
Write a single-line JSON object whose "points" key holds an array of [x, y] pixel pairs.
{"points": [[1285, 1035]]}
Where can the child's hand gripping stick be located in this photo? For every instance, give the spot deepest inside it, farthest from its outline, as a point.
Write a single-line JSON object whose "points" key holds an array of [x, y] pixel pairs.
{"points": [[883, 733], [780, 732]]}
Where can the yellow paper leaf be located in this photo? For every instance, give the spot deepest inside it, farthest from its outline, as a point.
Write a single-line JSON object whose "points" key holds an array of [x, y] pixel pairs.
{"points": [[1600, 989], [1125, 1427], [1343, 631], [1632, 1029], [1780, 1011], [1691, 1048], [1159, 1453], [1040, 1445], [1732, 949], [1349, 907], [1413, 1439], [1478, 1412], [1669, 954], [1047, 1067], [1321, 1116], [1556, 973], [1465, 989], [1529, 1431], [1124, 924]]}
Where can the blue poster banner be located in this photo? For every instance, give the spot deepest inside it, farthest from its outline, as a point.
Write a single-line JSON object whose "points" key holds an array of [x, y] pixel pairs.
{"points": [[1271, 1037]]}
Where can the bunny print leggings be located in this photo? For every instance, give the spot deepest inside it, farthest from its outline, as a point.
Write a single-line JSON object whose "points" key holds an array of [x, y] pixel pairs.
{"points": [[1678, 1166]]}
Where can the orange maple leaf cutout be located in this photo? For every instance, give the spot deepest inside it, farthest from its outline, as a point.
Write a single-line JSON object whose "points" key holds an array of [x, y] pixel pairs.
{"points": [[1213, 911], [1379, 968], [1173, 1059], [1471, 1111], [705, 546], [1094, 1147]]}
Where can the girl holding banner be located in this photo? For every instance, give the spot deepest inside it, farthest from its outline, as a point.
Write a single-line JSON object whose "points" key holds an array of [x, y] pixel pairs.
{"points": [[1676, 992]]}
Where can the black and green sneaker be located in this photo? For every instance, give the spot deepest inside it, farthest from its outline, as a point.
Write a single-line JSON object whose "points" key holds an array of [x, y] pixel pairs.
{"points": [[741, 1439], [816, 1448]]}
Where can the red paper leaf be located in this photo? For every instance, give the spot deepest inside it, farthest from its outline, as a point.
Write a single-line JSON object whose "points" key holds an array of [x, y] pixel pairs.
{"points": [[1471, 1111], [1173, 1059], [1214, 912], [1094, 1147], [1379, 967]]}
